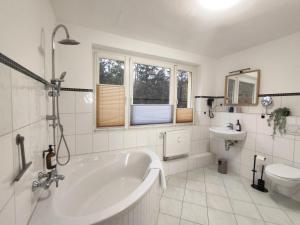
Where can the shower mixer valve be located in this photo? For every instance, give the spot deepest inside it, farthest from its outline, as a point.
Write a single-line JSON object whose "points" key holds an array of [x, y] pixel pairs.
{"points": [[45, 180]]}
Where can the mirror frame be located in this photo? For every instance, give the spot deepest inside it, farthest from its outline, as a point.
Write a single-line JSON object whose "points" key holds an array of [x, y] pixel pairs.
{"points": [[241, 73]]}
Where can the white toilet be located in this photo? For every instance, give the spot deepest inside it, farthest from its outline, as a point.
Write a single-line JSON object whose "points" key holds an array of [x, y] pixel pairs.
{"points": [[284, 179]]}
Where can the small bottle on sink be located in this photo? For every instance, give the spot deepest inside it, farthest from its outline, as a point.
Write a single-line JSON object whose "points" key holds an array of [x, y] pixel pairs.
{"points": [[238, 126]]}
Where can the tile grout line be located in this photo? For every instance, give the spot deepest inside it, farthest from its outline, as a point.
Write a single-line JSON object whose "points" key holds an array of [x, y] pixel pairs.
{"points": [[206, 196]]}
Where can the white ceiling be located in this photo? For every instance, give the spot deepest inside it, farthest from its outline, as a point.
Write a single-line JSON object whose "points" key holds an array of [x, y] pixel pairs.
{"points": [[185, 24]]}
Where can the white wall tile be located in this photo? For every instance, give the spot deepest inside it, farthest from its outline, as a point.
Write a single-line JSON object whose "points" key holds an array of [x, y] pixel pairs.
{"points": [[84, 102], [84, 143], [249, 143], [34, 100], [6, 169], [262, 126], [7, 215], [84, 123], [101, 141], [264, 143], [68, 122], [142, 138], [67, 102], [130, 138], [291, 103], [249, 122], [20, 100], [5, 100], [116, 140], [151, 137], [284, 148]]}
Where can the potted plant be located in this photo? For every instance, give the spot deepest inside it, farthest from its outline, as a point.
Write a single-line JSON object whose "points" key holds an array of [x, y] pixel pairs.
{"points": [[278, 117]]}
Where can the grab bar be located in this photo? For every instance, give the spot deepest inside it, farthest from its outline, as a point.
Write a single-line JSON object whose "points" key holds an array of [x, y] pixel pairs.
{"points": [[20, 142]]}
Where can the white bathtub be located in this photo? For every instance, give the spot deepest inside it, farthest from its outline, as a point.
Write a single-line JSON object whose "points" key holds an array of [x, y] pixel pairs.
{"points": [[109, 189]]}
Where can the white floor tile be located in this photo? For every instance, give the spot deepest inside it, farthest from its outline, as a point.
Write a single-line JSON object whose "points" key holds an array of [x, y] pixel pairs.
{"points": [[174, 192], [245, 209], [194, 213], [217, 217], [262, 198], [195, 197], [176, 181], [170, 206], [218, 202], [195, 185], [248, 221], [164, 219], [274, 215], [196, 175], [184, 222], [239, 193], [215, 189]]}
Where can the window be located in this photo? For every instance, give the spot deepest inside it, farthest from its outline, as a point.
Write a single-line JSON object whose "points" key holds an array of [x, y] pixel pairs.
{"points": [[158, 92], [110, 109], [151, 95], [184, 111]]}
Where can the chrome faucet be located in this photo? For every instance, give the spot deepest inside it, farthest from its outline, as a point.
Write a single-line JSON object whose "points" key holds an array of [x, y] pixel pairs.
{"points": [[230, 126], [46, 179]]}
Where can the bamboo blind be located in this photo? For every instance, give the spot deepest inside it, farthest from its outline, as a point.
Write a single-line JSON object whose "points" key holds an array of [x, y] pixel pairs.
{"points": [[110, 105], [184, 115]]}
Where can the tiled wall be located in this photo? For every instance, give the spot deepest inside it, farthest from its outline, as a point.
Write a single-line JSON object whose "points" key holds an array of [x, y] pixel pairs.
{"points": [[77, 117], [280, 149], [23, 107]]}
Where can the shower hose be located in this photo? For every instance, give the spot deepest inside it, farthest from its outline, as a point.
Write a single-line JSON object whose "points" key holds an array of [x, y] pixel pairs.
{"points": [[62, 138]]}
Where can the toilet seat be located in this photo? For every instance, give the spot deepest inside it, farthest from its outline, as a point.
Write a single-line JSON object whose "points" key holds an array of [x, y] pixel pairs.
{"points": [[283, 171]]}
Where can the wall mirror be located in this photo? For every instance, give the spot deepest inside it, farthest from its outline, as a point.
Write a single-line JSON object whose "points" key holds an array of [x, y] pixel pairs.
{"points": [[242, 88]]}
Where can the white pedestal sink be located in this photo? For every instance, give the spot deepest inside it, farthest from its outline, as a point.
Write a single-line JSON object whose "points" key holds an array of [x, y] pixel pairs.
{"points": [[230, 136]]}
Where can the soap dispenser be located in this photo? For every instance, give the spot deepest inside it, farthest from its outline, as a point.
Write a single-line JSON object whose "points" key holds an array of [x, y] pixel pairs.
{"points": [[50, 158], [238, 126]]}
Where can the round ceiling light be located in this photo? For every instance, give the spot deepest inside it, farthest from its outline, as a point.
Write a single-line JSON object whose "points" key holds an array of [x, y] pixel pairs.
{"points": [[218, 4]]}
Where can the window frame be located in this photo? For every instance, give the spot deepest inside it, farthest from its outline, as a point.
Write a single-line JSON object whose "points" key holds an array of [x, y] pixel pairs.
{"points": [[129, 62]]}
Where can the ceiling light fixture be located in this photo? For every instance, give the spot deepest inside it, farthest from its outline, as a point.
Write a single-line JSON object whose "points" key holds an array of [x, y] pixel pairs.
{"points": [[218, 4]]}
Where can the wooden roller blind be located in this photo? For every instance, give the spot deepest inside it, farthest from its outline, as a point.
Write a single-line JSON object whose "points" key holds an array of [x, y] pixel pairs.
{"points": [[184, 115], [110, 105]]}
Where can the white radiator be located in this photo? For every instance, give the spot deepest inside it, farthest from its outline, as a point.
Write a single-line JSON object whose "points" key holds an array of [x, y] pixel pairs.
{"points": [[177, 143]]}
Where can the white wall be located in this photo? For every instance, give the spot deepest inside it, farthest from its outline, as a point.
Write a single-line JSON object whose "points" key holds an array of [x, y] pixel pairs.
{"points": [[23, 103], [78, 60], [278, 61], [21, 24]]}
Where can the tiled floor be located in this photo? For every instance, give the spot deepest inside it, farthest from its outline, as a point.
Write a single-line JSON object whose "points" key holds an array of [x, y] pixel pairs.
{"points": [[205, 197]]}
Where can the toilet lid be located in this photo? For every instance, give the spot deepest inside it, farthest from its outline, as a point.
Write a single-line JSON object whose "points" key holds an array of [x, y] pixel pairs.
{"points": [[284, 171]]}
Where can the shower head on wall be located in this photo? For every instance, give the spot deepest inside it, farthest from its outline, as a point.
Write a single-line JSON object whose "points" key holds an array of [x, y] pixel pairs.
{"points": [[69, 41]]}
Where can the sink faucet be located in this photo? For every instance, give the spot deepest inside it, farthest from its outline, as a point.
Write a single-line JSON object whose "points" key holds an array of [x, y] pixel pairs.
{"points": [[46, 179], [230, 126]]}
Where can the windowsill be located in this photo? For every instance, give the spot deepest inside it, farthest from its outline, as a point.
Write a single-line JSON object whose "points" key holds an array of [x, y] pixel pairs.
{"points": [[167, 125]]}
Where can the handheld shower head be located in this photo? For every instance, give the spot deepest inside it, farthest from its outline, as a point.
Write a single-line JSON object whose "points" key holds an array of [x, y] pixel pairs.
{"points": [[62, 76]]}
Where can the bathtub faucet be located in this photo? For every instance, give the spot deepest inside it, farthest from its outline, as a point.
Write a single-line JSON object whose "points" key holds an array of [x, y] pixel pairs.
{"points": [[46, 179]]}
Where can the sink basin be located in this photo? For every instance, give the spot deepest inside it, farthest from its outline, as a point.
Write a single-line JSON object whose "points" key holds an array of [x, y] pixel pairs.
{"points": [[228, 134]]}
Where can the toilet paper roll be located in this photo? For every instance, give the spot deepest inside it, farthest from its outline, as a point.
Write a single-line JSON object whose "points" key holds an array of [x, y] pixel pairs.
{"points": [[261, 157]]}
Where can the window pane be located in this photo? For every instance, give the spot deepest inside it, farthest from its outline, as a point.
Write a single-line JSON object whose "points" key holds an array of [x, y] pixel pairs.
{"points": [[111, 71], [183, 88], [151, 84]]}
